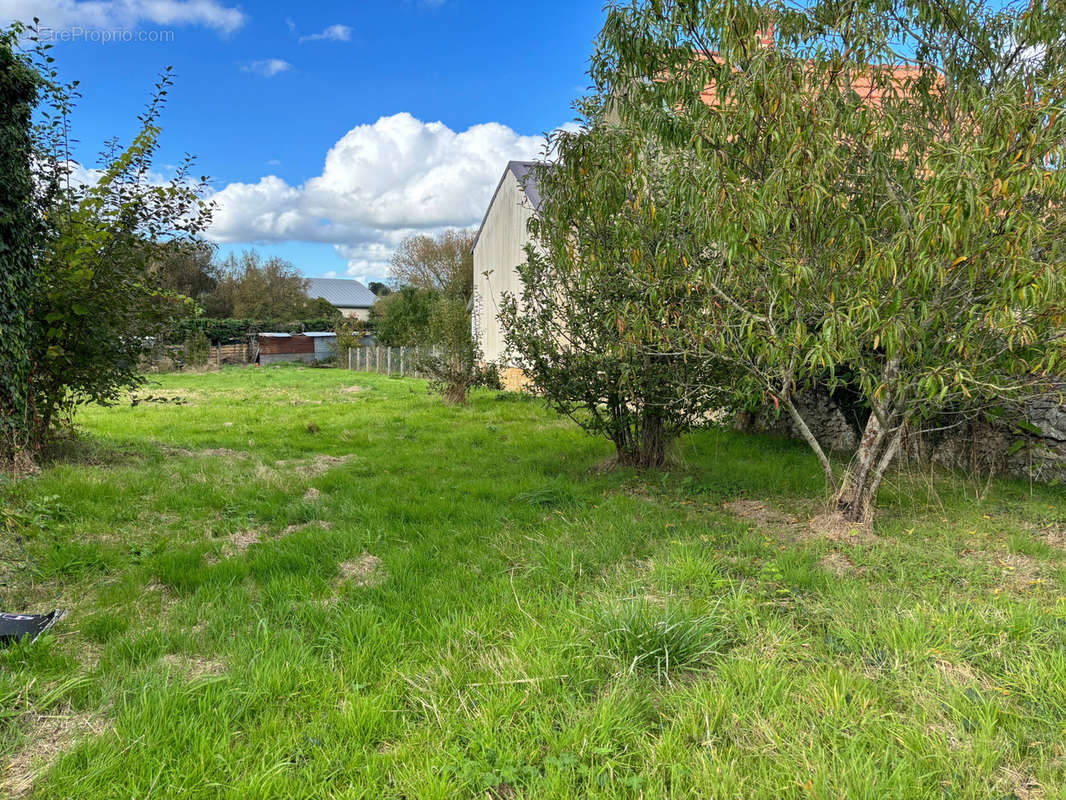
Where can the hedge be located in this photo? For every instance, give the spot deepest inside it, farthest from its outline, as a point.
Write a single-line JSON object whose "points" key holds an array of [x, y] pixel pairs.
{"points": [[229, 330]]}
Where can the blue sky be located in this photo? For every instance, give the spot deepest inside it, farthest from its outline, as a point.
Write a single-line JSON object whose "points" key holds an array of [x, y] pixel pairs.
{"points": [[265, 91]]}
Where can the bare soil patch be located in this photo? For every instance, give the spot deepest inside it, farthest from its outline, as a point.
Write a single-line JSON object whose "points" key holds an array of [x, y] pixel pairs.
{"points": [[318, 523], [192, 666], [760, 513], [839, 564], [1020, 572], [311, 495], [833, 526], [353, 389], [1054, 536], [1017, 572], [321, 464], [223, 452], [211, 452], [1018, 784], [239, 542], [318, 464], [363, 571], [960, 674], [826, 525], [48, 737]]}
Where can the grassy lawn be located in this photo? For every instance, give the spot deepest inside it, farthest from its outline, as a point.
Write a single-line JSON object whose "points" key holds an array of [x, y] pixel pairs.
{"points": [[308, 583]]}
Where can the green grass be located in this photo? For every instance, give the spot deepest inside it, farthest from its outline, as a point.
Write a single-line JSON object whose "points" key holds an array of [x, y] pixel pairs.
{"points": [[468, 605]]}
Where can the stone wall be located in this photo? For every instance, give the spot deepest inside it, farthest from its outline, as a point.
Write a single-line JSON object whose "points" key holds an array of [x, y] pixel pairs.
{"points": [[975, 446]]}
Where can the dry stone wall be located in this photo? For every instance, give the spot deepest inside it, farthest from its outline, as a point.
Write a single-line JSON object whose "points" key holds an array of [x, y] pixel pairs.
{"points": [[1036, 450]]}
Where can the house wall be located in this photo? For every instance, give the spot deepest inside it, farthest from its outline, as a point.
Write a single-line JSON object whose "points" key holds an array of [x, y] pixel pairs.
{"points": [[356, 313], [499, 250]]}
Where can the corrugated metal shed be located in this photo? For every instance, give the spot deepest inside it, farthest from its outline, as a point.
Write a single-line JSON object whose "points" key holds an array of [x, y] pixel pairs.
{"points": [[310, 346], [325, 345]]}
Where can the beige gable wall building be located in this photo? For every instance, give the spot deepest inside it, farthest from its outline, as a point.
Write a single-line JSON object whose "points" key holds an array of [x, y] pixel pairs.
{"points": [[498, 250]]}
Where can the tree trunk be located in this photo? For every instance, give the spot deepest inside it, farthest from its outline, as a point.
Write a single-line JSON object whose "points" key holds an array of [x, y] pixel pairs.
{"points": [[455, 393], [645, 449], [858, 488]]}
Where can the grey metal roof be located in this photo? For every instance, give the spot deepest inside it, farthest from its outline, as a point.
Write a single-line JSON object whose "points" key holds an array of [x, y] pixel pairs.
{"points": [[311, 334], [341, 292], [525, 180]]}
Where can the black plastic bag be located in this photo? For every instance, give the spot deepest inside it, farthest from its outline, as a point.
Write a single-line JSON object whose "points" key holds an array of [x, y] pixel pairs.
{"points": [[17, 627]]}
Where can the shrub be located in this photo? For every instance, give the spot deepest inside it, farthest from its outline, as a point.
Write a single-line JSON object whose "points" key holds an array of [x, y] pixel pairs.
{"points": [[593, 323], [454, 366], [197, 349], [350, 333], [402, 319]]}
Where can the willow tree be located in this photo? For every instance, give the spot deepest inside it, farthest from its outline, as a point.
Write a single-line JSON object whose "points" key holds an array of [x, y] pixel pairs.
{"points": [[904, 224], [594, 323]]}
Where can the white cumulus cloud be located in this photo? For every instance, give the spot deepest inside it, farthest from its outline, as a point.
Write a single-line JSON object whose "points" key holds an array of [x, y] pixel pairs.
{"points": [[334, 33], [379, 183], [116, 14], [267, 67]]}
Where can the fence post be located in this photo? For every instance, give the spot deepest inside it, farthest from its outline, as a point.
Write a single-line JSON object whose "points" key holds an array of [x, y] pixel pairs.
{"points": [[401, 359], [388, 357], [349, 359]]}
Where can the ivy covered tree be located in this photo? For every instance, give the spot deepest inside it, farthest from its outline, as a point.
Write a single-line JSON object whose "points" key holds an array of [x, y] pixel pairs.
{"points": [[903, 224], [602, 306], [19, 232]]}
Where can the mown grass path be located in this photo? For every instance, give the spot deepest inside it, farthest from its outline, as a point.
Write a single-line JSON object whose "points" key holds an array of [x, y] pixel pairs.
{"points": [[312, 583]]}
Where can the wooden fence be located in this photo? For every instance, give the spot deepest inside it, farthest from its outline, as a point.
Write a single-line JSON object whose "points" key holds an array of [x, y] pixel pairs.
{"points": [[402, 361]]}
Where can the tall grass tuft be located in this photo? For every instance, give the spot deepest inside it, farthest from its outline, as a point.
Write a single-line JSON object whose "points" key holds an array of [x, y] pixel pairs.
{"points": [[661, 641], [548, 496]]}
